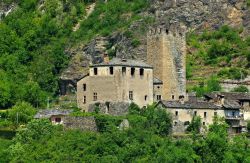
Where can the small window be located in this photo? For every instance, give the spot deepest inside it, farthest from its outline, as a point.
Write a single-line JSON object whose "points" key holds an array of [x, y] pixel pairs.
{"points": [[186, 123], [158, 97], [204, 123], [146, 97], [233, 113], [215, 113], [111, 70], [123, 70], [141, 71], [84, 99], [176, 113], [84, 87], [95, 71], [95, 96], [175, 123], [172, 97], [205, 114], [131, 95], [132, 71], [58, 120], [195, 113]]}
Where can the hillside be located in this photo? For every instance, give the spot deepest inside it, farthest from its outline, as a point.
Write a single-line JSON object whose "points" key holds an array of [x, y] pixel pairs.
{"points": [[43, 41]]}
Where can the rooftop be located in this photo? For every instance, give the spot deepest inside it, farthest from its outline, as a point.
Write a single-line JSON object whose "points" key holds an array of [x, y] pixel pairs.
{"points": [[190, 105], [229, 95], [157, 81], [47, 113], [124, 62]]}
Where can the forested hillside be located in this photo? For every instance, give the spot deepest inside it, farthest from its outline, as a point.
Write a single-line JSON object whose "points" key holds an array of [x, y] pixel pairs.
{"points": [[39, 38], [146, 140]]}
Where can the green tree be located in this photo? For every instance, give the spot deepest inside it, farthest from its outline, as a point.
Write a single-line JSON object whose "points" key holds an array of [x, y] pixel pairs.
{"points": [[195, 125], [21, 113]]}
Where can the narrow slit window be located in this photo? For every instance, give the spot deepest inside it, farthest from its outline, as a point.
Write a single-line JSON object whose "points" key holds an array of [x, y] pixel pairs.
{"points": [[176, 113], [146, 97], [123, 70], [205, 114], [158, 97], [95, 96], [131, 95], [172, 97], [195, 113], [84, 87], [132, 71], [141, 71], [95, 71], [84, 99], [111, 70]]}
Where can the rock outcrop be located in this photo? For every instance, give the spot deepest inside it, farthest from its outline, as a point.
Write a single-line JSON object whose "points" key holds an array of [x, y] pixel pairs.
{"points": [[195, 15]]}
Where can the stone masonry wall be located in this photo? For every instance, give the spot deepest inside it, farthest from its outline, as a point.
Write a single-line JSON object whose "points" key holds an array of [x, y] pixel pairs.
{"points": [[81, 123], [166, 51]]}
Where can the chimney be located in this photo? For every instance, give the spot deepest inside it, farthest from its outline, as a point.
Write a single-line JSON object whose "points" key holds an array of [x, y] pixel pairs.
{"points": [[106, 58], [181, 99], [222, 99]]}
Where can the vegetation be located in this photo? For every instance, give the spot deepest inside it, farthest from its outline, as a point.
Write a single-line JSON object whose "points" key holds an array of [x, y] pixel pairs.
{"points": [[146, 140], [224, 49], [209, 85], [240, 88], [33, 39]]}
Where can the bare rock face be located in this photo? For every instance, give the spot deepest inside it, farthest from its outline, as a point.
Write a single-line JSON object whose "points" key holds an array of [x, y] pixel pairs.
{"points": [[200, 14], [5, 9]]}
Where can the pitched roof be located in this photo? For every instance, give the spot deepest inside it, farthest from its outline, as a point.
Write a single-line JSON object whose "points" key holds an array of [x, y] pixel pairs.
{"points": [[230, 95], [190, 105], [123, 62], [231, 104], [157, 81], [47, 113]]}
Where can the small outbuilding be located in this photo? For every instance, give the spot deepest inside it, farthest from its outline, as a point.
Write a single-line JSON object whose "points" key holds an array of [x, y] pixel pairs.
{"points": [[56, 116]]}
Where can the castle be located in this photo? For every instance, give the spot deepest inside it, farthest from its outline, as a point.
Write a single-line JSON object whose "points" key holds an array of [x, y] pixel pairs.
{"points": [[113, 85], [124, 80]]}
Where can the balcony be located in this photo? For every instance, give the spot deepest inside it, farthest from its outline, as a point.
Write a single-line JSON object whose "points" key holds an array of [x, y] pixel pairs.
{"points": [[233, 117]]}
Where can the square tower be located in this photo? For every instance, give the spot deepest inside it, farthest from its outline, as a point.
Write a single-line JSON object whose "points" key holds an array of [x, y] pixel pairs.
{"points": [[166, 52]]}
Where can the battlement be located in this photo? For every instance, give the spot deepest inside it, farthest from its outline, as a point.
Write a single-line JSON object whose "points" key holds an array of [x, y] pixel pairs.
{"points": [[172, 31]]}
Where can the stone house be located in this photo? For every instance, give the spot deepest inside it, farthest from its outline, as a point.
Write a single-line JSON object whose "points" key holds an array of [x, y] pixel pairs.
{"points": [[184, 111], [118, 80], [56, 116], [232, 98]]}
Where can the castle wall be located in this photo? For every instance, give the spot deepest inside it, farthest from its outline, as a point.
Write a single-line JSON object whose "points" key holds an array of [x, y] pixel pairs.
{"points": [[116, 87], [166, 52]]}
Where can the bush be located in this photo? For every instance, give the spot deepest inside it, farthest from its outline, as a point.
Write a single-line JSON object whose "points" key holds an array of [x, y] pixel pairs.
{"points": [[21, 113], [240, 88]]}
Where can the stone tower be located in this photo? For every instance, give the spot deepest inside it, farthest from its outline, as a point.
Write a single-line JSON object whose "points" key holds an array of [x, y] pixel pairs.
{"points": [[166, 52]]}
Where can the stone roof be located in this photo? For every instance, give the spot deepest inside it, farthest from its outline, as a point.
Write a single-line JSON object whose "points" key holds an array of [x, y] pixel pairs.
{"points": [[231, 104], [47, 113], [189, 105], [230, 95], [124, 62], [157, 81]]}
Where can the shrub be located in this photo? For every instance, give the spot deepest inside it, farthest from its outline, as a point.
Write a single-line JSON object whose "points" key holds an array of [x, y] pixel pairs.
{"points": [[240, 88], [21, 113]]}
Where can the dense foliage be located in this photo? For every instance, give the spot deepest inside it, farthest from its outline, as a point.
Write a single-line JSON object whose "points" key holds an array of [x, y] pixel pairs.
{"points": [[146, 140], [33, 39], [223, 48]]}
